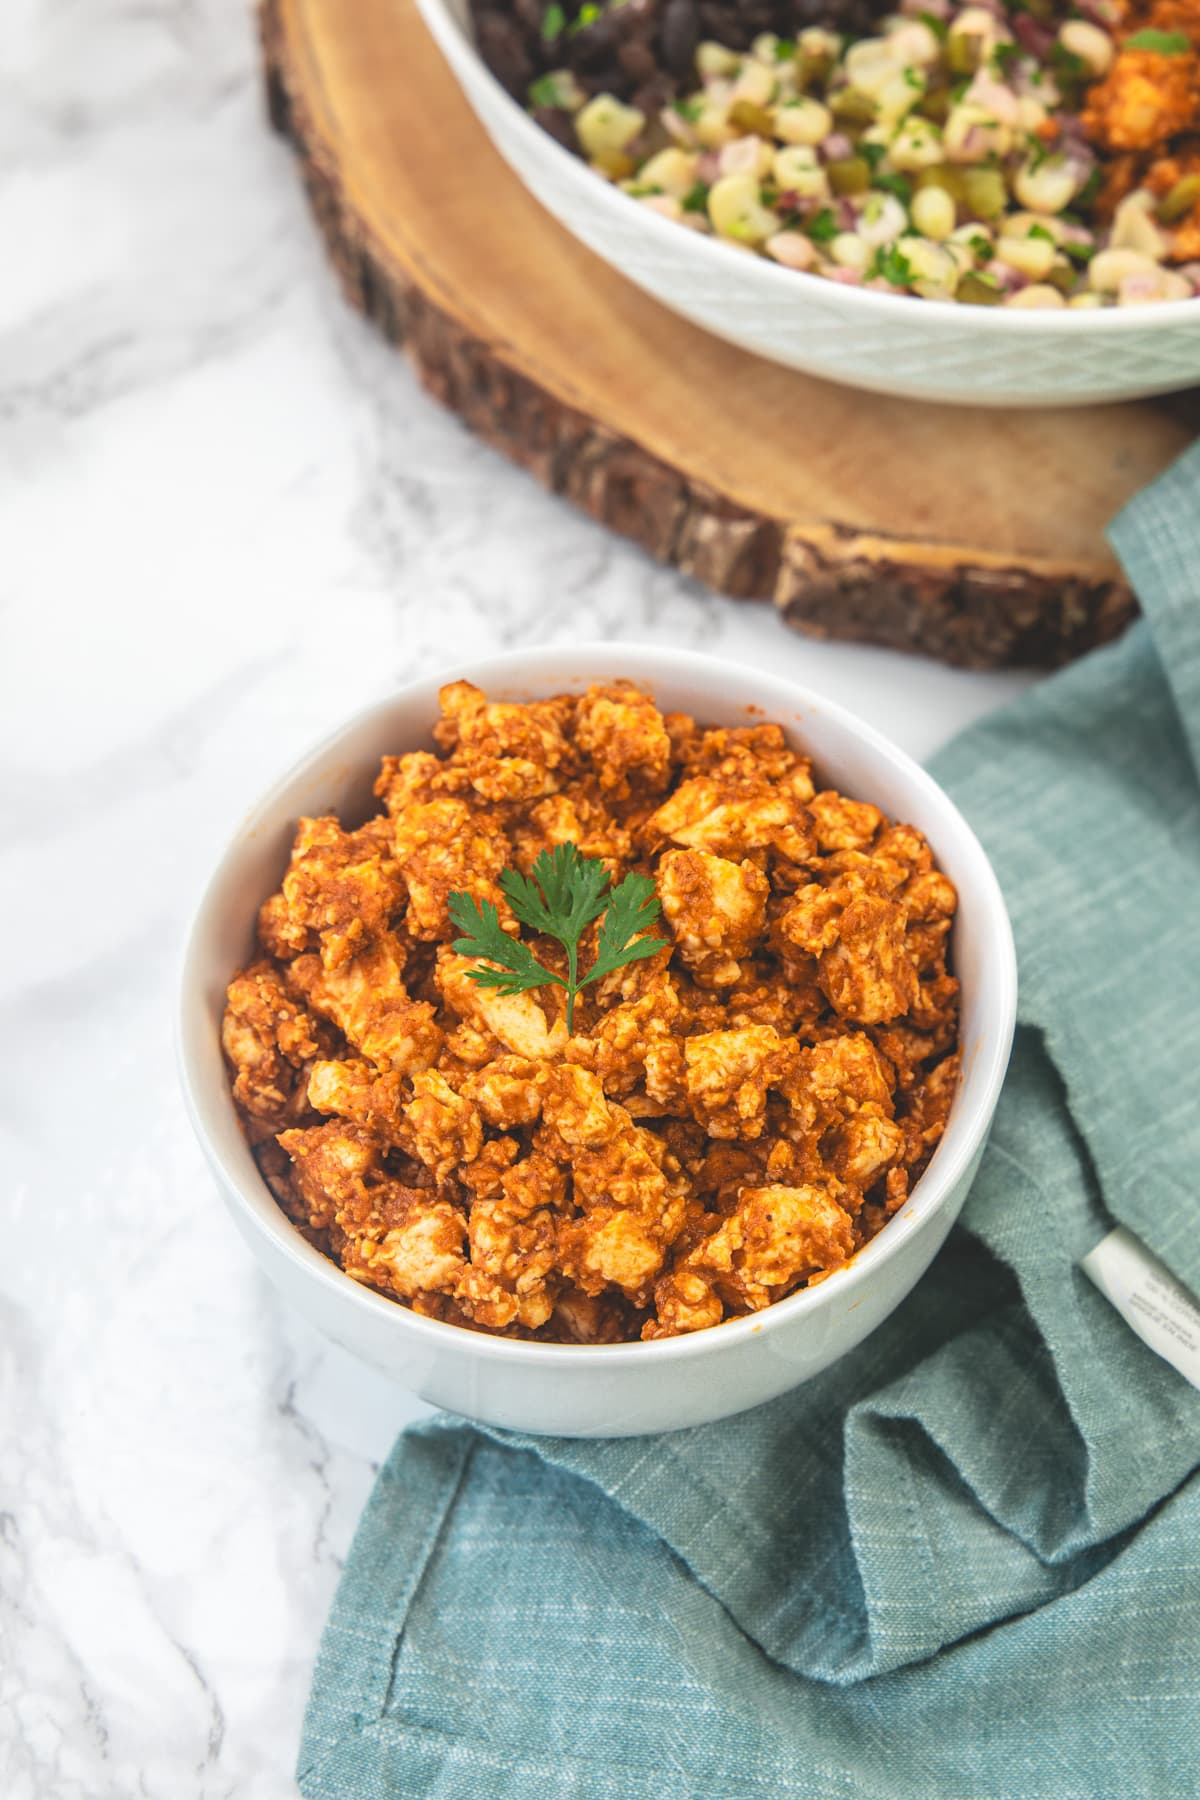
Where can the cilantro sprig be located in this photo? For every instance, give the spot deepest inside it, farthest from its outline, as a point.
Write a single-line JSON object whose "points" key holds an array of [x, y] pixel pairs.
{"points": [[566, 892]]}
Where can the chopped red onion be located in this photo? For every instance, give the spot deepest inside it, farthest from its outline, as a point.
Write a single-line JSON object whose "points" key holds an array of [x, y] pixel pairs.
{"points": [[1033, 38], [1100, 12], [1006, 277]]}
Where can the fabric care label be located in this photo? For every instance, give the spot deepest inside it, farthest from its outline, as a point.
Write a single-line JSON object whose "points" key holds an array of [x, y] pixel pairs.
{"points": [[1149, 1299]]}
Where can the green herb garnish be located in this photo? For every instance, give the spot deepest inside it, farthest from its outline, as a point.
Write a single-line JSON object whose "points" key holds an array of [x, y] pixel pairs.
{"points": [[688, 109], [1078, 253], [587, 16], [553, 21], [1090, 188], [785, 49], [696, 198], [1164, 43], [1005, 56], [939, 27], [1036, 151], [544, 91], [822, 228], [1071, 73], [984, 250], [565, 893], [893, 265], [899, 185], [871, 153], [1040, 231]]}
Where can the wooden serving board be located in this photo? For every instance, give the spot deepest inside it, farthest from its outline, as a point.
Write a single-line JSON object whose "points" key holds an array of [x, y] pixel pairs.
{"points": [[976, 537]]}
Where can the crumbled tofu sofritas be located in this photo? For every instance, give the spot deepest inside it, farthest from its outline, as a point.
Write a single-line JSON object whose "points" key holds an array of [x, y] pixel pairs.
{"points": [[732, 1117]]}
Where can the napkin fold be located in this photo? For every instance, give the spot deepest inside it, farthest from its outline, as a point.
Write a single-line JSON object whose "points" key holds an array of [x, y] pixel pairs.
{"points": [[964, 1563]]}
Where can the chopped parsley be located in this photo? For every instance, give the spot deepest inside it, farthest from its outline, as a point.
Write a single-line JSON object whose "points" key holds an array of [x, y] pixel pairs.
{"points": [[822, 228], [588, 14], [785, 49], [914, 78], [984, 250], [899, 185], [696, 198], [1163, 43], [1071, 74], [939, 27], [1040, 231], [893, 265], [1036, 150], [689, 109], [553, 21], [1078, 253], [1005, 57], [545, 91], [1090, 188]]}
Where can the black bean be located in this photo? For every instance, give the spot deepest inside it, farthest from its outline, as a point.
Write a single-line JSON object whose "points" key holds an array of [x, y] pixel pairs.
{"points": [[559, 123], [501, 47], [593, 46], [650, 99], [679, 36], [645, 48], [638, 61], [528, 14]]}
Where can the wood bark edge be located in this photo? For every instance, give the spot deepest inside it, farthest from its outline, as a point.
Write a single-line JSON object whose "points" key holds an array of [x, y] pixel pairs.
{"points": [[827, 580]]}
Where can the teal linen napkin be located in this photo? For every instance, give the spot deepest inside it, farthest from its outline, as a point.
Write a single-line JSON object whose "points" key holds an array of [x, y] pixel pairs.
{"points": [[963, 1564]]}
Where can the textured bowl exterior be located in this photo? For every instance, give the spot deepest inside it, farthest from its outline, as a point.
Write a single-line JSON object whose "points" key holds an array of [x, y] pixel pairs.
{"points": [[621, 1389], [893, 344]]}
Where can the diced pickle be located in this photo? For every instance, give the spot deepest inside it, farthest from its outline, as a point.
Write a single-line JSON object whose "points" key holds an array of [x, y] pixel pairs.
{"points": [[945, 175], [615, 164], [1180, 200], [977, 290], [963, 53], [935, 105], [850, 175], [985, 192], [749, 117], [809, 68], [852, 106]]}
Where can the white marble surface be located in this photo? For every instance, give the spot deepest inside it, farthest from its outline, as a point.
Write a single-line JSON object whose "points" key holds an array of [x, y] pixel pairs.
{"points": [[227, 517]]}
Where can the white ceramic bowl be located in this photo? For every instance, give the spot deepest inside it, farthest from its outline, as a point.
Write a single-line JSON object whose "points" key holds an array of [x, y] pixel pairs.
{"points": [[891, 343], [619, 1389]]}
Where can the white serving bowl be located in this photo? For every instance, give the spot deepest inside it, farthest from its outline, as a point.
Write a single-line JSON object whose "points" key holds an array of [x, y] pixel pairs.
{"points": [[890, 343], [611, 1390]]}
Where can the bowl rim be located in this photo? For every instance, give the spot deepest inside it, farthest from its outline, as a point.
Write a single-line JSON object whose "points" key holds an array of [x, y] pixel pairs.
{"points": [[460, 50], [933, 1189]]}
